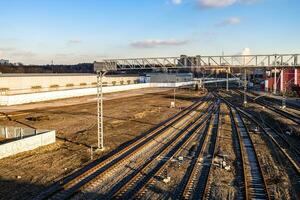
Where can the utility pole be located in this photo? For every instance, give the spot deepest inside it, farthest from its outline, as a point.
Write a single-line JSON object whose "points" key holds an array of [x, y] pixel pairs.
{"points": [[245, 87], [227, 80], [203, 76], [101, 68], [100, 76], [174, 97], [275, 76], [284, 96], [52, 66], [275, 81]]}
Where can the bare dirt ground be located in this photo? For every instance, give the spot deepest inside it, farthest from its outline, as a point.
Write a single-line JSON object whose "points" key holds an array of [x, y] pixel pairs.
{"points": [[225, 183], [127, 116]]}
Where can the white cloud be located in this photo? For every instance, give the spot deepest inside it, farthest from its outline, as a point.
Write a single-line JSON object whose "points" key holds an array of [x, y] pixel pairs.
{"points": [[246, 51], [74, 41], [230, 21], [157, 43], [223, 3], [248, 1], [176, 2], [216, 3]]}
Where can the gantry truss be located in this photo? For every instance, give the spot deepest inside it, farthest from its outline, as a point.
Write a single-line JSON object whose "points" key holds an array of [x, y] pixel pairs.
{"points": [[233, 61]]}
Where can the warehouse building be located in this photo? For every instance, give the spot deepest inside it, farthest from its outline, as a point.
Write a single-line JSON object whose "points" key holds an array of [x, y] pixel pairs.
{"points": [[31, 83], [4, 62], [284, 80], [27, 88]]}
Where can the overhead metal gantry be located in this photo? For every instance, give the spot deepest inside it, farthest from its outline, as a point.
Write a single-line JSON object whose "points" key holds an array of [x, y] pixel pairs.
{"points": [[183, 62], [276, 61]]}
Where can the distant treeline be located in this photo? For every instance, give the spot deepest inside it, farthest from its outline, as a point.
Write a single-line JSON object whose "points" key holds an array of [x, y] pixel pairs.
{"points": [[78, 68]]}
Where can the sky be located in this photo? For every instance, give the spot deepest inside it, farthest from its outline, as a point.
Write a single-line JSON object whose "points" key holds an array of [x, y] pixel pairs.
{"points": [[78, 31]]}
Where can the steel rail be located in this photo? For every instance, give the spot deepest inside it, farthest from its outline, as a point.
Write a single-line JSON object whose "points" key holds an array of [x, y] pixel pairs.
{"points": [[81, 175], [289, 116], [259, 189], [137, 152], [277, 101], [239, 154], [137, 180], [289, 151], [193, 176], [240, 145], [199, 131], [101, 183], [206, 194], [288, 147]]}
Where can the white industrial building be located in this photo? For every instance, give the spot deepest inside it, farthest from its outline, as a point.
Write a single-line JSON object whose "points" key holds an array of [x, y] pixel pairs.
{"points": [[27, 88], [4, 62]]}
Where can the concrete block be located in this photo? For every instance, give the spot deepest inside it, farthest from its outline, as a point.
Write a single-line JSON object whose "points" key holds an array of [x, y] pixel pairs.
{"points": [[26, 144]]}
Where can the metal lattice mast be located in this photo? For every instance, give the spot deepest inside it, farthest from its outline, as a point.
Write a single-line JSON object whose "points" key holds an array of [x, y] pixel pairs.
{"points": [[101, 68], [227, 79], [275, 76], [100, 76], [245, 86], [100, 110]]}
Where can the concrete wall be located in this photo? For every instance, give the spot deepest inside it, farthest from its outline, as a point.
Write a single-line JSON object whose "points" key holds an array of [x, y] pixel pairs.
{"points": [[26, 144], [28, 83], [7, 100]]}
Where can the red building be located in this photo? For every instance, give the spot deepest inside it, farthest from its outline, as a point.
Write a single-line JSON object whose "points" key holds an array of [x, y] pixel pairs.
{"points": [[285, 79], [297, 77]]}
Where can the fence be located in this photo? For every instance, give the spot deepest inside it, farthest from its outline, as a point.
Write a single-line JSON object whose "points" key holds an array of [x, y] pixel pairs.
{"points": [[10, 132]]}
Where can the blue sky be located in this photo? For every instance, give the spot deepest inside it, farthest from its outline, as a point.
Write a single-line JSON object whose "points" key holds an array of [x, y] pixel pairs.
{"points": [[73, 31]]}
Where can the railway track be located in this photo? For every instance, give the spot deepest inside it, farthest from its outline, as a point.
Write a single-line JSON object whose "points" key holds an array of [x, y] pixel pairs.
{"points": [[197, 182], [285, 114], [130, 183], [70, 185], [256, 187], [254, 181], [240, 166], [277, 101], [133, 172], [290, 151], [146, 191]]}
